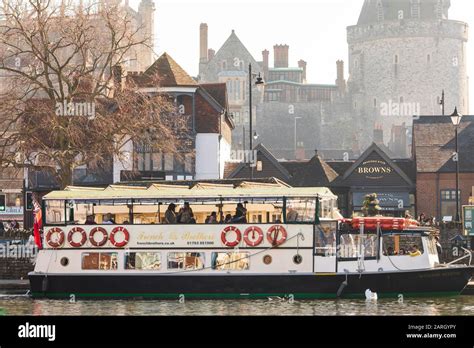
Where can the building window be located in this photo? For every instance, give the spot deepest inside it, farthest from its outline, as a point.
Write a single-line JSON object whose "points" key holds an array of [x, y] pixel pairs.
{"points": [[224, 65], [448, 202], [439, 9], [188, 163], [375, 102], [169, 159], [401, 99], [396, 59], [415, 8], [428, 58], [157, 161], [237, 89], [380, 15]]}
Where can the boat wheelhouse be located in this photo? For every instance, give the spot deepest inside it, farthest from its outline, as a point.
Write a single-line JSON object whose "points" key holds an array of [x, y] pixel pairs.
{"points": [[262, 240]]}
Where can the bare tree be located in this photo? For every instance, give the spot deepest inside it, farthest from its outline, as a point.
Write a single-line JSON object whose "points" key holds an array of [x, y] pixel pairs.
{"points": [[65, 101]]}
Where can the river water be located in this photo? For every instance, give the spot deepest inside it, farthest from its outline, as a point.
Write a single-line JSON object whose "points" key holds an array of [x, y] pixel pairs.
{"points": [[24, 305]]}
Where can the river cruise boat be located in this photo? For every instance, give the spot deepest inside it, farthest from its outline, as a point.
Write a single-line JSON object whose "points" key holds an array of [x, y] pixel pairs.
{"points": [[246, 240]]}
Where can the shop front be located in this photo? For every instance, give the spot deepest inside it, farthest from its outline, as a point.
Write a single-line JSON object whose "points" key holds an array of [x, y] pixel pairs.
{"points": [[375, 172]]}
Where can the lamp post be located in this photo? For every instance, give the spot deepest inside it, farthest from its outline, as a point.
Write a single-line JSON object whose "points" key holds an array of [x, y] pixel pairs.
{"points": [[456, 120], [259, 81]]}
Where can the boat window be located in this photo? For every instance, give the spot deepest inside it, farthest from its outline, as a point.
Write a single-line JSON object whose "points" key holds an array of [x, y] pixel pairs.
{"points": [[82, 211], [143, 260], [230, 261], [400, 245], [356, 245], [183, 260], [55, 211], [300, 210], [99, 261], [325, 239]]}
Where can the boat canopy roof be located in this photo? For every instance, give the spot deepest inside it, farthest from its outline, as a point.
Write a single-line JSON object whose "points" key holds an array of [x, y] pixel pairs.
{"points": [[194, 191]]}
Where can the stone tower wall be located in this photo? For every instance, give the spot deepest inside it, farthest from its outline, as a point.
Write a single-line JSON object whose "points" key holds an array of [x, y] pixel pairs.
{"points": [[401, 67]]}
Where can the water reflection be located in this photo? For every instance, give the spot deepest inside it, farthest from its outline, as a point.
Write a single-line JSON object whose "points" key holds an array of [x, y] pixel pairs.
{"points": [[24, 305]]}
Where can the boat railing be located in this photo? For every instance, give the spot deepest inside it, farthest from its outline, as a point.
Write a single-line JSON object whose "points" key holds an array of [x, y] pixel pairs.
{"points": [[468, 254]]}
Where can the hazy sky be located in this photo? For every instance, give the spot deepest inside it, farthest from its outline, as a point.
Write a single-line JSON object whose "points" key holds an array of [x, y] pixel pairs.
{"points": [[315, 30]]}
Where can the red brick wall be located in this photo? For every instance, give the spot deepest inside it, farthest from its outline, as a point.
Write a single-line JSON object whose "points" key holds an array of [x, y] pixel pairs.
{"points": [[207, 118], [429, 186]]}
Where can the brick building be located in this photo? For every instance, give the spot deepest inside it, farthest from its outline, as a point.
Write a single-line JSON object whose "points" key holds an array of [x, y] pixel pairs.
{"points": [[433, 147], [208, 141], [373, 172]]}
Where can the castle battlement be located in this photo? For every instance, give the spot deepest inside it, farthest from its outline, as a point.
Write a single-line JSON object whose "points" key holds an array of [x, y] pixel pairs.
{"points": [[408, 28]]}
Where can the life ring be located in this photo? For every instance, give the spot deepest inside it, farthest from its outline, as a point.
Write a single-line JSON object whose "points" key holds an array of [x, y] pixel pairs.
{"points": [[224, 236], [71, 234], [125, 239], [253, 229], [276, 229], [93, 232], [59, 241]]}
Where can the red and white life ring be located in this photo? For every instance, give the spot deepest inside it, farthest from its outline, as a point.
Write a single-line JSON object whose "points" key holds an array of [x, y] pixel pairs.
{"points": [[58, 241], [276, 230], [104, 236], [126, 236], [249, 236], [70, 237], [224, 236]]}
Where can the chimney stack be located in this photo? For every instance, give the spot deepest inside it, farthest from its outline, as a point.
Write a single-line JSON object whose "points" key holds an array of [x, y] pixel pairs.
{"points": [[265, 55], [378, 134], [340, 82], [203, 43], [302, 64], [280, 53]]}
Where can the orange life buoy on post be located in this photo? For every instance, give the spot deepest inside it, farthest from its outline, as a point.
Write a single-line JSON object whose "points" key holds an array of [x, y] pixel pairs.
{"points": [[224, 236], [70, 237], [125, 239], [58, 242], [250, 231], [276, 230], [104, 235]]}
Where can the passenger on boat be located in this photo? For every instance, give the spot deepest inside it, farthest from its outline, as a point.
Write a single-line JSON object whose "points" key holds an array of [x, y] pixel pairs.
{"points": [[170, 215], [186, 215], [108, 220], [292, 214], [228, 219], [415, 251], [402, 252], [439, 248], [240, 214], [212, 219], [90, 220], [389, 251]]}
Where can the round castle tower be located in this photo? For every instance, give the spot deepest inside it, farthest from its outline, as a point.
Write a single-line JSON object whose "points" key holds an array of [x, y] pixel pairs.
{"points": [[402, 55]]}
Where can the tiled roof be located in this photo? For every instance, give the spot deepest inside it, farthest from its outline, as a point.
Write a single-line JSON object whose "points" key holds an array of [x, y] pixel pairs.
{"points": [[218, 91], [229, 167], [315, 172], [169, 72], [434, 144]]}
